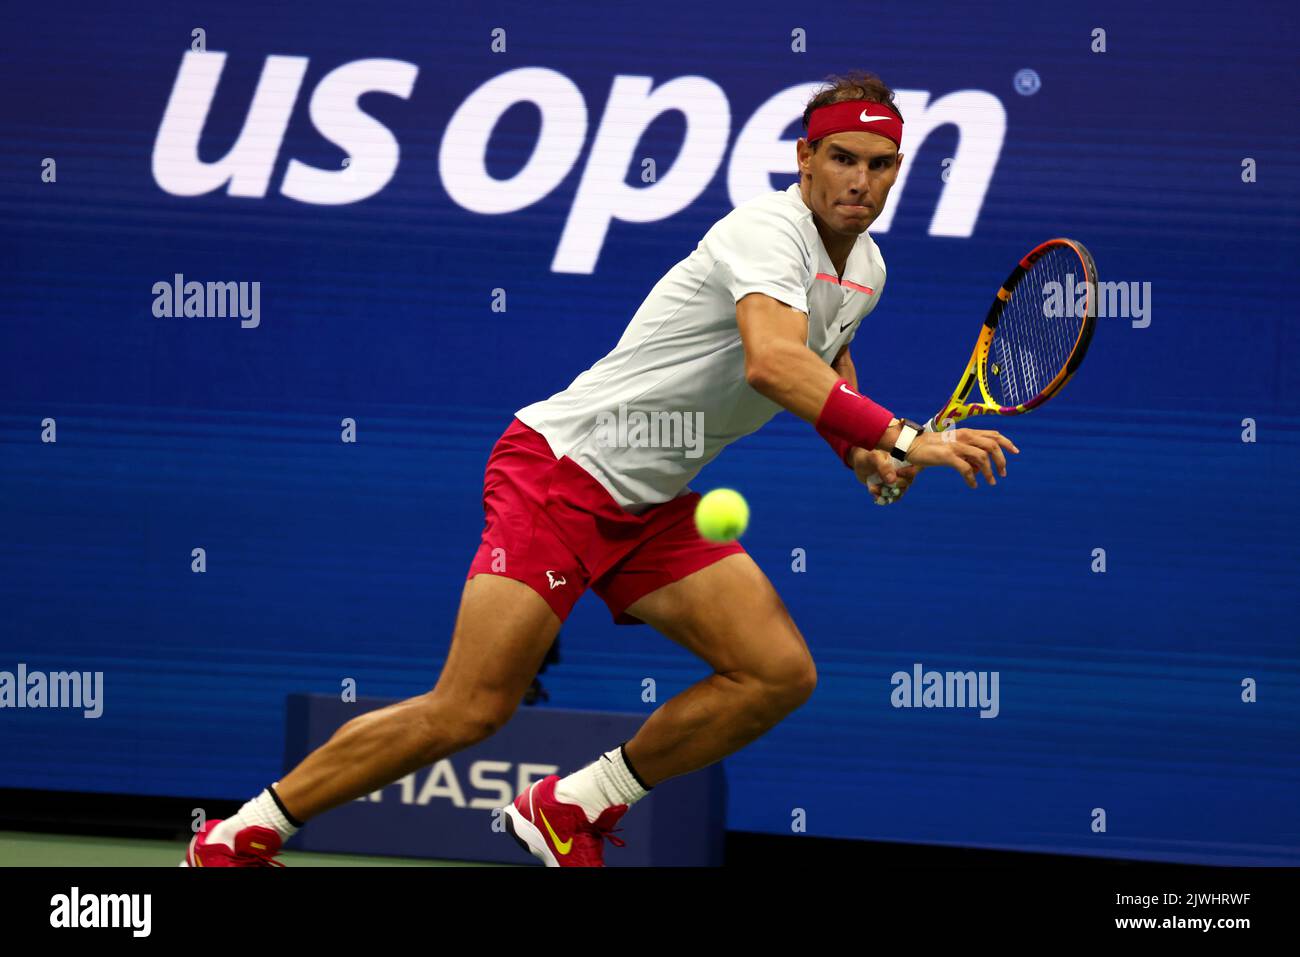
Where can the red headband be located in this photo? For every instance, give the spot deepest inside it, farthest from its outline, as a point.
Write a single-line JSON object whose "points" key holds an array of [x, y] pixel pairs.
{"points": [[864, 115]]}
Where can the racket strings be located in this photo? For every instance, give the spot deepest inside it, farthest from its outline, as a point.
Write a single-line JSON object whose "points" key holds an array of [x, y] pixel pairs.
{"points": [[1038, 328]]}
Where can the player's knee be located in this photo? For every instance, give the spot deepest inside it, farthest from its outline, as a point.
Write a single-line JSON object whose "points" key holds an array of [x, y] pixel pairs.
{"points": [[460, 724], [799, 684], [484, 719], [786, 682]]}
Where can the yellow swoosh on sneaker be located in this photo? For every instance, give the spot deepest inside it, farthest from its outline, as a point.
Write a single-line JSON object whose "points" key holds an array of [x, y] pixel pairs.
{"points": [[562, 846]]}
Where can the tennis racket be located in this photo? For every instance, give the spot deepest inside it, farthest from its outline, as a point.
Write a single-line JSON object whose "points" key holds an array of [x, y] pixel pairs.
{"points": [[1033, 340]]}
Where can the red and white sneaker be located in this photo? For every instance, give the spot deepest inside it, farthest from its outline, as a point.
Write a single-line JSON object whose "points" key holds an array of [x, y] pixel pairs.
{"points": [[255, 846], [557, 832]]}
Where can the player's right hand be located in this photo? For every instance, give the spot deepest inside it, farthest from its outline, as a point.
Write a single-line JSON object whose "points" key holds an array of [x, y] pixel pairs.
{"points": [[969, 451]]}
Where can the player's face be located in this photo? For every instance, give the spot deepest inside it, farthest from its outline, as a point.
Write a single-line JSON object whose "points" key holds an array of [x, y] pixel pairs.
{"points": [[848, 179]]}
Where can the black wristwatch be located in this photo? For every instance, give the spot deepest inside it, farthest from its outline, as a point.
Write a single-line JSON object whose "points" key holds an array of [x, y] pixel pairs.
{"points": [[906, 436]]}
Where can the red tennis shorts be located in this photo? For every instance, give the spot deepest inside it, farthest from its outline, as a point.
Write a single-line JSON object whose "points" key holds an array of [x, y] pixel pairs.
{"points": [[552, 526]]}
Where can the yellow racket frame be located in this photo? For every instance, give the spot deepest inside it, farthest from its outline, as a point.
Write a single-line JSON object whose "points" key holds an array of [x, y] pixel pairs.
{"points": [[957, 408]]}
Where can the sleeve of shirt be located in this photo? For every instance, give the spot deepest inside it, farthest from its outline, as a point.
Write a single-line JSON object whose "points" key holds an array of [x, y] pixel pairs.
{"points": [[759, 250]]}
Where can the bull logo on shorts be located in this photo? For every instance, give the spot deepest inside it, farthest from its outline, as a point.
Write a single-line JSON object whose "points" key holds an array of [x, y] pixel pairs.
{"points": [[555, 580]]}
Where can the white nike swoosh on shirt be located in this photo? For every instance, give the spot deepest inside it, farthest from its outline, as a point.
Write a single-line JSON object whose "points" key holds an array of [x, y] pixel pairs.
{"points": [[867, 119]]}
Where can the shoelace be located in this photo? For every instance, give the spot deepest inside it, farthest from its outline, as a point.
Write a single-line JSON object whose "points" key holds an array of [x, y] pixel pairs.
{"points": [[254, 861], [616, 841], [257, 860]]}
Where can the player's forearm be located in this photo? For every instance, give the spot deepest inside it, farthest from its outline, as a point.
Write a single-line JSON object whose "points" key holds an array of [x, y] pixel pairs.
{"points": [[792, 376], [843, 365], [797, 379]]}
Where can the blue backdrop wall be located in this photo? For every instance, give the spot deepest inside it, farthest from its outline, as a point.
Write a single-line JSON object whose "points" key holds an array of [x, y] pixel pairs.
{"points": [[382, 171]]}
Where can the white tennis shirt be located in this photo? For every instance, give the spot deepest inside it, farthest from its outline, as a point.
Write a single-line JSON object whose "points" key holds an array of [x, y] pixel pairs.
{"points": [[672, 393]]}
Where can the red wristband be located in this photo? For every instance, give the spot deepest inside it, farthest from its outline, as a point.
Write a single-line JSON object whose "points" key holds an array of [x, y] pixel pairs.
{"points": [[842, 448], [849, 419]]}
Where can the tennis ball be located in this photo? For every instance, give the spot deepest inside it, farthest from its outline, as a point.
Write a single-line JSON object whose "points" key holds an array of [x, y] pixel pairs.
{"points": [[722, 515]]}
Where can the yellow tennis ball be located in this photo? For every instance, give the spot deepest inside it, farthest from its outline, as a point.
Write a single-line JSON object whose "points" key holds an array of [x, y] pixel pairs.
{"points": [[722, 515]]}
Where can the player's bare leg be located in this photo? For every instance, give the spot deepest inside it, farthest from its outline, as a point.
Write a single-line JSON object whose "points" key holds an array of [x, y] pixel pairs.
{"points": [[729, 614], [503, 631]]}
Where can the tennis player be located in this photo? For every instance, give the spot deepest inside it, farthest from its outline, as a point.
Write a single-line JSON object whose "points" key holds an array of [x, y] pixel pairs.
{"points": [[758, 318]]}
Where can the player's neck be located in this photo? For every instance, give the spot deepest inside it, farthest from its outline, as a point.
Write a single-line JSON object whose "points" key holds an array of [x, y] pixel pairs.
{"points": [[837, 247]]}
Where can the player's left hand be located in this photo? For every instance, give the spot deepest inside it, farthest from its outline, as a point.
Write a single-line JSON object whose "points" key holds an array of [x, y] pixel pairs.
{"points": [[868, 463], [888, 494]]}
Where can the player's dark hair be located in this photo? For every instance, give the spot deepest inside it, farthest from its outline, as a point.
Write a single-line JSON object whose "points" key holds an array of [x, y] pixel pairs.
{"points": [[854, 85]]}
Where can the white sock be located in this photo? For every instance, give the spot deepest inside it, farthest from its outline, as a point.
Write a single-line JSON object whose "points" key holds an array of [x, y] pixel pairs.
{"points": [[261, 810], [603, 783]]}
